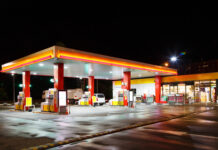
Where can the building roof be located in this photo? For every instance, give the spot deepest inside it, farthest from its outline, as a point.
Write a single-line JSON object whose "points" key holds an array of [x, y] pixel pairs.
{"points": [[83, 64], [191, 77]]}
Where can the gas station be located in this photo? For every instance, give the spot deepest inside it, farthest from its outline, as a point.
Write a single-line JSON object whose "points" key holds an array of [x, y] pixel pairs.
{"points": [[61, 62]]}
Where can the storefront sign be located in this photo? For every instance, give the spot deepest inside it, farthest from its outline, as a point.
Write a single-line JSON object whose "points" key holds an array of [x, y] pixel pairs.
{"points": [[62, 96]]}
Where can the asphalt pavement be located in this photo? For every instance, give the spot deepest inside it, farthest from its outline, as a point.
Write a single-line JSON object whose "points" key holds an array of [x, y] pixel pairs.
{"points": [[194, 132], [26, 129]]}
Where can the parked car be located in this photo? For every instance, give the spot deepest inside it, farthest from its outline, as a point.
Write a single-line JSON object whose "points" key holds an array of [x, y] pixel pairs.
{"points": [[100, 98]]}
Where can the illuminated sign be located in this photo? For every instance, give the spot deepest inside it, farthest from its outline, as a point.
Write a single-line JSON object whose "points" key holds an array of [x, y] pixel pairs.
{"points": [[28, 101], [62, 96]]}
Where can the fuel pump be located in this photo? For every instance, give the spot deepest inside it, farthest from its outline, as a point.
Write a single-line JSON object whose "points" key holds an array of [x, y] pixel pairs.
{"points": [[19, 103], [125, 97], [85, 100], [55, 97], [50, 97], [120, 98]]}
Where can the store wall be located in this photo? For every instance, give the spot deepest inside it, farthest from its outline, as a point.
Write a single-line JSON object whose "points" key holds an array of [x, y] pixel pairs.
{"points": [[142, 86], [178, 84], [147, 88]]}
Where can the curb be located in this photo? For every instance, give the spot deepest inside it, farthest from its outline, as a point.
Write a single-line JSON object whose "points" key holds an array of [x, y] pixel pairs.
{"points": [[140, 124], [39, 112]]}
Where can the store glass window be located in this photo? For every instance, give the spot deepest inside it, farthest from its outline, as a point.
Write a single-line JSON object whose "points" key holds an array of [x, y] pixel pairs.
{"points": [[181, 88], [205, 91], [166, 88], [213, 90], [213, 82], [190, 92], [173, 89], [197, 91]]}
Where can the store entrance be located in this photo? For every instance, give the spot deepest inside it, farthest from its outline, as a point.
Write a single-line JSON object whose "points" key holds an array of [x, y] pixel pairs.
{"points": [[205, 94], [205, 91]]}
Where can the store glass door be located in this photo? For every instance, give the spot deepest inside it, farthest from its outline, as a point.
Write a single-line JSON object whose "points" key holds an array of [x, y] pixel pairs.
{"points": [[205, 91], [213, 90], [189, 96], [197, 92]]}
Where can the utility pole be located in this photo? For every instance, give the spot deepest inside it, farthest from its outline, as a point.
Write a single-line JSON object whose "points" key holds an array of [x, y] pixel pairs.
{"points": [[13, 80]]}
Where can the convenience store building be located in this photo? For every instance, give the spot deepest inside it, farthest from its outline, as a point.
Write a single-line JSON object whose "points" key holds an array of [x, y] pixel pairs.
{"points": [[194, 87]]}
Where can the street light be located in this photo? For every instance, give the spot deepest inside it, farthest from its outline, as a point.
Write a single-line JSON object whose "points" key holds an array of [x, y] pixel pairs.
{"points": [[166, 64], [173, 58]]}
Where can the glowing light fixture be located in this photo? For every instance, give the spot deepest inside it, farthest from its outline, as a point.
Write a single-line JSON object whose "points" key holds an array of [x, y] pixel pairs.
{"points": [[41, 64], [34, 73], [173, 59], [12, 73], [166, 64], [52, 80]]}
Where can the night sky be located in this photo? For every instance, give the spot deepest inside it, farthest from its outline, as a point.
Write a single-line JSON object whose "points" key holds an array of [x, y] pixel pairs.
{"points": [[138, 32]]}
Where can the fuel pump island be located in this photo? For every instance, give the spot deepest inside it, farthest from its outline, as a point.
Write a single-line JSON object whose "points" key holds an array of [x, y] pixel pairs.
{"points": [[55, 99], [61, 62]]}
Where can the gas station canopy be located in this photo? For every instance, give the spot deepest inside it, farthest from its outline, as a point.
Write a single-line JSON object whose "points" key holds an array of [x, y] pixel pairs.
{"points": [[80, 64]]}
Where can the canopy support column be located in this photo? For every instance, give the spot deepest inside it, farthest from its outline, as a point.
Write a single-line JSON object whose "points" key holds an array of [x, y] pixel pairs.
{"points": [[127, 85], [157, 89], [26, 86], [58, 80], [91, 81]]}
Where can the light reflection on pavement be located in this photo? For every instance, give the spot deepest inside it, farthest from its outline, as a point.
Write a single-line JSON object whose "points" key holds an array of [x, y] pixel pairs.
{"points": [[198, 131], [81, 121]]}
